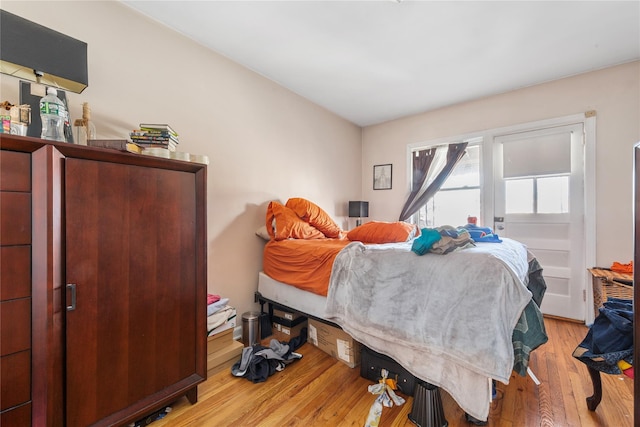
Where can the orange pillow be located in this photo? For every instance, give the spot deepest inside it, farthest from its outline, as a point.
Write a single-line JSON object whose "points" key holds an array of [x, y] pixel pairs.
{"points": [[383, 232], [283, 223], [315, 216]]}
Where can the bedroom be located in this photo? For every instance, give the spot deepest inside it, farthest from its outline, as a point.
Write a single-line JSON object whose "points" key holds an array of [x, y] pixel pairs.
{"points": [[141, 71]]}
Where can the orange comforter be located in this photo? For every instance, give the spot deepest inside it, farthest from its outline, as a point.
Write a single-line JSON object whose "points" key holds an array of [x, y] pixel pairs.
{"points": [[305, 264]]}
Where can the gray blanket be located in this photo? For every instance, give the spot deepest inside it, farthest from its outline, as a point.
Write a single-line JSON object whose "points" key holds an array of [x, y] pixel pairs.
{"points": [[448, 319]]}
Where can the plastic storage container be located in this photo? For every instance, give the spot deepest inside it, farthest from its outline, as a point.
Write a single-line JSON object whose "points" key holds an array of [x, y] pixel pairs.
{"points": [[250, 328], [53, 114]]}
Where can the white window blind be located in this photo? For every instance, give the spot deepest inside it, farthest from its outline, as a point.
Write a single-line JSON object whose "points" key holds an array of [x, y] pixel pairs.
{"points": [[541, 155]]}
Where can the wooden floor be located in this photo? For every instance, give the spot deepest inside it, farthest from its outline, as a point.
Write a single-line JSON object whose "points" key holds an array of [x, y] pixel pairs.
{"points": [[320, 391]]}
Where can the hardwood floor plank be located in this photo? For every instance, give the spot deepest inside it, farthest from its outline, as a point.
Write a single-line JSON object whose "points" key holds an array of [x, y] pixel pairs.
{"points": [[307, 396], [557, 392], [319, 391], [544, 417], [585, 418], [333, 410], [508, 400], [614, 405]]}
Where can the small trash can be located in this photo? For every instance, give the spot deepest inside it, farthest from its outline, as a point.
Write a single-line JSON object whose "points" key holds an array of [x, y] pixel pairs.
{"points": [[250, 328]]}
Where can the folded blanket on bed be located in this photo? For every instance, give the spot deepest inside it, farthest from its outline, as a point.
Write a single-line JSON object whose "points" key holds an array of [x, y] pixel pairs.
{"points": [[448, 319]]}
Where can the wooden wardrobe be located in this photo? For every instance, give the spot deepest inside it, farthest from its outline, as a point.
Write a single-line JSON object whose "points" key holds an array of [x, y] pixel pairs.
{"points": [[112, 248]]}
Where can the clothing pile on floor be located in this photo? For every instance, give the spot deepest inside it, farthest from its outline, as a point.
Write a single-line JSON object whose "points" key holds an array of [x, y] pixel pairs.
{"points": [[258, 362], [220, 315], [608, 346]]}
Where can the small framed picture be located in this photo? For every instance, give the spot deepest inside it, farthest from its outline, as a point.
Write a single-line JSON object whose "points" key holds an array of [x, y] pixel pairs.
{"points": [[382, 175]]}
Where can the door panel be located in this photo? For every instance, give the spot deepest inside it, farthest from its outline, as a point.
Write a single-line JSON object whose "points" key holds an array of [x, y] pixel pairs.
{"points": [[526, 161], [132, 332]]}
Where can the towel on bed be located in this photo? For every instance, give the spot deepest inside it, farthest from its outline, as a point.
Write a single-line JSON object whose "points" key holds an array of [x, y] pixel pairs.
{"points": [[448, 319]]}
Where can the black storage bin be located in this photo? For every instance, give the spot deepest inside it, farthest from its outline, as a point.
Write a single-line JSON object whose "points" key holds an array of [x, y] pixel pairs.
{"points": [[286, 322], [372, 363]]}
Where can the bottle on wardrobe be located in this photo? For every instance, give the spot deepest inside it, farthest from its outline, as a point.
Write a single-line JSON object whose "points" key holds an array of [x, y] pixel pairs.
{"points": [[85, 129], [53, 114]]}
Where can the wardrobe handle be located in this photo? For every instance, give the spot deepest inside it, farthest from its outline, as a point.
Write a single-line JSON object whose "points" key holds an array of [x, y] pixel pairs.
{"points": [[71, 287]]}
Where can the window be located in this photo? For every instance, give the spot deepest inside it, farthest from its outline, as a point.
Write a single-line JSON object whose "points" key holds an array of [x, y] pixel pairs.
{"points": [[537, 195], [459, 196]]}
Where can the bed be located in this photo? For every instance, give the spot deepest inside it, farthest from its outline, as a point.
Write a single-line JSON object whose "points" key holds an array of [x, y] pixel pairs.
{"points": [[457, 320]]}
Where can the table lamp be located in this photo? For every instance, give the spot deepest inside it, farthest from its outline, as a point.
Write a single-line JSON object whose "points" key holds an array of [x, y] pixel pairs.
{"points": [[358, 209], [35, 53]]}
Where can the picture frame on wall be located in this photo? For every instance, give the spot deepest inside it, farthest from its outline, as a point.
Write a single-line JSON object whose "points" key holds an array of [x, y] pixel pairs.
{"points": [[382, 177]]}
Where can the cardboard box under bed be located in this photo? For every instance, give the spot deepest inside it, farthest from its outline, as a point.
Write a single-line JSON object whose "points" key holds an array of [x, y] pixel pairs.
{"points": [[334, 341]]}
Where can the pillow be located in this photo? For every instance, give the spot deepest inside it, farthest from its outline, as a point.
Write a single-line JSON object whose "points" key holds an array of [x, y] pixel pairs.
{"points": [[263, 233], [383, 232], [283, 223], [315, 216]]}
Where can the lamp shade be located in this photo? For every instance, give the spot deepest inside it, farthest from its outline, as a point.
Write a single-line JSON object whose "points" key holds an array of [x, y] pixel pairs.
{"points": [[27, 48], [358, 209]]}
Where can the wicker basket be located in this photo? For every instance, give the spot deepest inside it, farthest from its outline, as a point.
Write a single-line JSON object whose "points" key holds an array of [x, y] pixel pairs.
{"points": [[605, 286]]}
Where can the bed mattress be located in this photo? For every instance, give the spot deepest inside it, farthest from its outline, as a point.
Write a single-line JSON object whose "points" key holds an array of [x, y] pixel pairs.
{"points": [[292, 297]]}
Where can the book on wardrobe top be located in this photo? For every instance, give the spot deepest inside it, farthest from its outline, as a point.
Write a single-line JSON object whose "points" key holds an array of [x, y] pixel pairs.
{"points": [[164, 127], [116, 144]]}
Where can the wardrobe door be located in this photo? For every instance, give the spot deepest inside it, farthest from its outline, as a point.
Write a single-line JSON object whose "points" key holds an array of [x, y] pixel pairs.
{"points": [[131, 288]]}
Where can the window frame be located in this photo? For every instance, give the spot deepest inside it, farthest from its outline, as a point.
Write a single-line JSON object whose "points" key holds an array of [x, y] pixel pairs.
{"points": [[536, 193], [475, 141]]}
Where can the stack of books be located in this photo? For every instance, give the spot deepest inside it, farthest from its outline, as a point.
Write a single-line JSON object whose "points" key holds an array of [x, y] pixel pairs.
{"points": [[155, 136]]}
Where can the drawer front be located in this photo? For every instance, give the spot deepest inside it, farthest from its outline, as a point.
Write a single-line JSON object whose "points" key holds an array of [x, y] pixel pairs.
{"points": [[16, 379], [16, 417], [15, 329], [15, 272], [15, 171], [15, 218]]}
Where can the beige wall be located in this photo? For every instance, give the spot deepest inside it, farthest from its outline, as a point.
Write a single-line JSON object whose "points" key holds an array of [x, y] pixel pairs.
{"points": [[266, 143], [614, 94], [263, 141]]}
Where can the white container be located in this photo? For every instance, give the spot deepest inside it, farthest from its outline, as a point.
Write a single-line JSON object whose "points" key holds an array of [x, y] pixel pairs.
{"points": [[53, 114], [18, 129], [84, 127], [156, 151]]}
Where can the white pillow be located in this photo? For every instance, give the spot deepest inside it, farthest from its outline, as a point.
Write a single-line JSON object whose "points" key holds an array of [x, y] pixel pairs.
{"points": [[262, 232]]}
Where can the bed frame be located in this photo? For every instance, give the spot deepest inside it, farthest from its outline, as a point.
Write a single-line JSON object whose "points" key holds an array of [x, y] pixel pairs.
{"points": [[427, 407]]}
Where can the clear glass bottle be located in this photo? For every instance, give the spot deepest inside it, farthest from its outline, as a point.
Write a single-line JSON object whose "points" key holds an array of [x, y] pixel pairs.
{"points": [[85, 129]]}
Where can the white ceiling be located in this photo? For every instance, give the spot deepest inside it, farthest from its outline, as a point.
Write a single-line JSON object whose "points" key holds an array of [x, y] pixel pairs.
{"points": [[373, 61]]}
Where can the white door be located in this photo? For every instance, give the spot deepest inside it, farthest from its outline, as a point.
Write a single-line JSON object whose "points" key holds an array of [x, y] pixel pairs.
{"points": [[539, 201]]}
